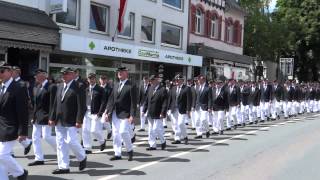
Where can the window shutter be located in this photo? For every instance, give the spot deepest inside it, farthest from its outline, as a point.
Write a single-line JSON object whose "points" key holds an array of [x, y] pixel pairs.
{"points": [[220, 27], [207, 24], [193, 19], [226, 30], [240, 35], [235, 33]]}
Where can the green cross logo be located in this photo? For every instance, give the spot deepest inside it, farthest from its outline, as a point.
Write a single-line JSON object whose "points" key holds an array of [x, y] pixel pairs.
{"points": [[189, 59], [92, 45]]}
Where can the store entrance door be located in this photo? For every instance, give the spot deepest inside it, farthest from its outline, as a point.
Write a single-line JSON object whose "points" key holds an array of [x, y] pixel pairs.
{"points": [[27, 60]]}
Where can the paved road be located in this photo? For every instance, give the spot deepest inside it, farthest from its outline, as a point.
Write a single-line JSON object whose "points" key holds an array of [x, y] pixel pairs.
{"points": [[272, 150]]}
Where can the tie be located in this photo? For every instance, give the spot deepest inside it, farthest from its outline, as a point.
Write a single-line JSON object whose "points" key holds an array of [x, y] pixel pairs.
{"points": [[119, 88], [64, 91], [2, 90]]}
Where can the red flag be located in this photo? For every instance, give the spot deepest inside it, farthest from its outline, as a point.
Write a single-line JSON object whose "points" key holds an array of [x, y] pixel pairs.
{"points": [[122, 9]]}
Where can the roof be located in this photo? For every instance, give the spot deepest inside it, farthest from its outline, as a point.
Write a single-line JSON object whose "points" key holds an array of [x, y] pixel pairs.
{"points": [[15, 13], [234, 5], [218, 54]]}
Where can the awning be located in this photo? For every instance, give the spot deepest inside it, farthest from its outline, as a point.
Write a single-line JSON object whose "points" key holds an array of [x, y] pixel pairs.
{"points": [[27, 27], [210, 52]]}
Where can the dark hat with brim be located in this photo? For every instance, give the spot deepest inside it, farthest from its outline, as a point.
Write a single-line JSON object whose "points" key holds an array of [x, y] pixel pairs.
{"points": [[92, 75], [103, 76], [37, 71], [66, 70], [4, 65], [16, 68], [178, 76], [122, 69], [153, 77]]}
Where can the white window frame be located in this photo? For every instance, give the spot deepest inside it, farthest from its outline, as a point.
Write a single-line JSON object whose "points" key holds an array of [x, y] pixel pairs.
{"points": [[153, 30], [214, 31], [170, 45], [173, 7], [107, 18], [199, 22], [132, 21], [77, 26]]}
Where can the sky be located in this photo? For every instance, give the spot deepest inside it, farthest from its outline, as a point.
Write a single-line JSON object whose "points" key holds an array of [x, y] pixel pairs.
{"points": [[273, 5]]}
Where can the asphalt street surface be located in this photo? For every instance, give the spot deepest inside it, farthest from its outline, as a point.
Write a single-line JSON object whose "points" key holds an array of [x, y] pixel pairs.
{"points": [[279, 150]]}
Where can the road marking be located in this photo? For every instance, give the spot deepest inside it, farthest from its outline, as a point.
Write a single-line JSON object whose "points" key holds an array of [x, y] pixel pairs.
{"points": [[188, 152]]}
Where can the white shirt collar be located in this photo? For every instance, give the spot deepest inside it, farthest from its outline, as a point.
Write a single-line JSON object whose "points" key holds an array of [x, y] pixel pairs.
{"points": [[92, 86], [124, 81], [17, 78], [7, 83], [44, 83], [68, 85]]}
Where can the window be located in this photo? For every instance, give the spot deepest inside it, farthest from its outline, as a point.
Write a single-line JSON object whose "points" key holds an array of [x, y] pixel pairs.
{"points": [[174, 3], [171, 35], [199, 22], [69, 18], [128, 27], [147, 29], [214, 27], [229, 33], [98, 18]]}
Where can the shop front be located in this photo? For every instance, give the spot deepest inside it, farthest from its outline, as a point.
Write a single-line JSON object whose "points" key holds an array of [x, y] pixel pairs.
{"points": [[104, 57], [27, 37]]}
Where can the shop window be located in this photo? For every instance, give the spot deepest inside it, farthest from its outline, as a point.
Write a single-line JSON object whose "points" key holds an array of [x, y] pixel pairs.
{"points": [[99, 16], [147, 29], [177, 4], [71, 17], [128, 30], [171, 35]]}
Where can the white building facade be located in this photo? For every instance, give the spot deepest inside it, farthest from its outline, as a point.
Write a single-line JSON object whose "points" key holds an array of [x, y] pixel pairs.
{"points": [[154, 39], [216, 33]]}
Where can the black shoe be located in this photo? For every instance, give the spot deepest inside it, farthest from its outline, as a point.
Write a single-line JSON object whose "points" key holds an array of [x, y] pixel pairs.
{"points": [[61, 171], [163, 146], [27, 149], [262, 121], [24, 176], [256, 122], [235, 126], [215, 133], [176, 142], [103, 145], [250, 123], [115, 158], [109, 135], [193, 129], [130, 155], [210, 125], [268, 119], [83, 164], [13, 155], [243, 124], [88, 152], [208, 134], [35, 163], [133, 139], [228, 129], [221, 132], [165, 127], [81, 143], [186, 140], [141, 130], [187, 124], [198, 137], [151, 148], [278, 117], [95, 140]]}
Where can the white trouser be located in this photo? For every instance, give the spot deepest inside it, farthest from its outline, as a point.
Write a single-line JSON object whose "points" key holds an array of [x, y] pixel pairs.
{"points": [[244, 113], [233, 114], [106, 125], [314, 106], [215, 124], [44, 132], [289, 108], [142, 118], [276, 109], [218, 118], [156, 130], [164, 121], [180, 128], [258, 110], [3, 172], [294, 108], [265, 110], [302, 107], [253, 113], [91, 124], [285, 109], [121, 131], [202, 125], [67, 138], [193, 119], [9, 165]]}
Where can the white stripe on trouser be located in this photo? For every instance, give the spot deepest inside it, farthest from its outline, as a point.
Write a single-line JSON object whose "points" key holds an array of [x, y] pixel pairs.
{"points": [[91, 124], [142, 118], [164, 121], [202, 125], [180, 128], [210, 118], [155, 131], [244, 113], [9, 164], [253, 113], [66, 138], [214, 117], [232, 116], [42, 132], [121, 133], [218, 117], [193, 119], [258, 110]]}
